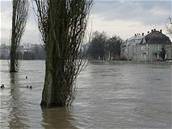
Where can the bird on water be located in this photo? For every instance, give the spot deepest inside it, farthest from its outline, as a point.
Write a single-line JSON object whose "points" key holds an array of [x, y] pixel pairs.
{"points": [[2, 86]]}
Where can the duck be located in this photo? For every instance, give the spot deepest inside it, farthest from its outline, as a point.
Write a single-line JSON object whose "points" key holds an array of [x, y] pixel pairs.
{"points": [[26, 77], [2, 86], [27, 86], [30, 87]]}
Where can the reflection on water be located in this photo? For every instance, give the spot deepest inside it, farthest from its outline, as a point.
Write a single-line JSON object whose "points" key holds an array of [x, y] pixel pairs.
{"points": [[109, 96], [17, 115], [58, 118]]}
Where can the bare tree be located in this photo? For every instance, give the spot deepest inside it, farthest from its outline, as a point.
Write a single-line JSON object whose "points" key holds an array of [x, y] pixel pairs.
{"points": [[19, 17], [62, 24]]}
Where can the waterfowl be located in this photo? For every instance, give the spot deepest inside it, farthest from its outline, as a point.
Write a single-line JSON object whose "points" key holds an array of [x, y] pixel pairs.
{"points": [[30, 87], [27, 86], [2, 86], [26, 77]]}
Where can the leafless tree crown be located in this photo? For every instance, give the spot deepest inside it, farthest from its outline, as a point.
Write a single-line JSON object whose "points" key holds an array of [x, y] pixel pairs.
{"points": [[19, 18]]}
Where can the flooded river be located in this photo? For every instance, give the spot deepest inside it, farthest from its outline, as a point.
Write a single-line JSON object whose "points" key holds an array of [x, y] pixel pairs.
{"points": [[109, 96]]}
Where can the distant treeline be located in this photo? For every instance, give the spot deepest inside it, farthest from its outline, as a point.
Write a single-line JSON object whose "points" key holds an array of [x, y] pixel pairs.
{"points": [[101, 47], [34, 52]]}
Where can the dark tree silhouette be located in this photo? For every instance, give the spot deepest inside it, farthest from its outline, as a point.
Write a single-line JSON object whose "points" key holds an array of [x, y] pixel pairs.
{"points": [[101, 47], [114, 47], [62, 24], [97, 46], [19, 17]]}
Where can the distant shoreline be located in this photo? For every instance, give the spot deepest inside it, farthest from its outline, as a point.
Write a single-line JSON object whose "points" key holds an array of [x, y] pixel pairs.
{"points": [[129, 62], [26, 59], [110, 62]]}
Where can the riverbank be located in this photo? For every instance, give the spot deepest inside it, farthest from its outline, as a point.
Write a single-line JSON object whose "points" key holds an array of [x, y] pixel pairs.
{"points": [[129, 62]]}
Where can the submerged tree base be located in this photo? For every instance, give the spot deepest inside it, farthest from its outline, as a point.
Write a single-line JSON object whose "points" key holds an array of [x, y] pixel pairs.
{"points": [[13, 63], [51, 105], [13, 71]]}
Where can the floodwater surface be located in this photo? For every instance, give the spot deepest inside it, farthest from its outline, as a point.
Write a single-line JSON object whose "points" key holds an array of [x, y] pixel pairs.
{"points": [[109, 96]]}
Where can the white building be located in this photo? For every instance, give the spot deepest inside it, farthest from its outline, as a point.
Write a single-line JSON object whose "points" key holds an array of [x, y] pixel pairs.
{"points": [[148, 47]]}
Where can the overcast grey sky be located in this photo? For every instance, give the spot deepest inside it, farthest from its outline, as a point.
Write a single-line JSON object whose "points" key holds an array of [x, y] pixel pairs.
{"points": [[115, 17]]}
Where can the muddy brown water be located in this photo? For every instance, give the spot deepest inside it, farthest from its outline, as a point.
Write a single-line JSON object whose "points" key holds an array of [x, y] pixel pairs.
{"points": [[109, 96]]}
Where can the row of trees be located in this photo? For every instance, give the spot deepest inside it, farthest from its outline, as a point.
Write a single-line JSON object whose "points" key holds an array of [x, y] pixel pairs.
{"points": [[62, 24], [104, 48]]}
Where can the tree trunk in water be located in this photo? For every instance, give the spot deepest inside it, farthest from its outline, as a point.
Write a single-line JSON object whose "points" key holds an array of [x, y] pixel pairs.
{"points": [[62, 24], [13, 43], [13, 61], [53, 94]]}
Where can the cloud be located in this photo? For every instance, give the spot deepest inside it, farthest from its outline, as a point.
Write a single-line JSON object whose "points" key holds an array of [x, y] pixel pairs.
{"points": [[31, 34], [122, 28], [126, 17], [120, 17], [147, 12]]}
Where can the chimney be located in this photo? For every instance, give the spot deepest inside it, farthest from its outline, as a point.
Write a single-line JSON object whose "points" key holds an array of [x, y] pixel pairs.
{"points": [[142, 34], [160, 31]]}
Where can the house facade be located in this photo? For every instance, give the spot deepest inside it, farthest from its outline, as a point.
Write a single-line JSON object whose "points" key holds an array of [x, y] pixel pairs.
{"points": [[150, 47]]}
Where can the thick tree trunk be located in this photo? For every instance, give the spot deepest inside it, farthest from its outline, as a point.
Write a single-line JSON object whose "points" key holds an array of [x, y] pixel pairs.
{"points": [[13, 62], [46, 93], [13, 55], [53, 94]]}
